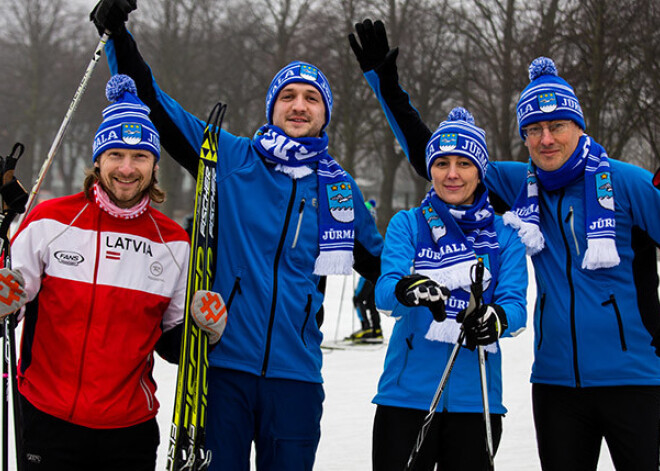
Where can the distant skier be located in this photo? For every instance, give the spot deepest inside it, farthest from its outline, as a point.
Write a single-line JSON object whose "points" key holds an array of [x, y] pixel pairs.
{"points": [[365, 305], [105, 274]]}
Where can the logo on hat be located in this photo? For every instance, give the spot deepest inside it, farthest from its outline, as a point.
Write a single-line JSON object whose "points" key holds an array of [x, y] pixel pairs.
{"points": [[309, 73], [448, 141], [131, 133], [547, 102], [340, 200]]}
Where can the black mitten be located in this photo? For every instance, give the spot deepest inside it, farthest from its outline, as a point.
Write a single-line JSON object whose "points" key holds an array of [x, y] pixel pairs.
{"points": [[373, 50], [111, 15]]}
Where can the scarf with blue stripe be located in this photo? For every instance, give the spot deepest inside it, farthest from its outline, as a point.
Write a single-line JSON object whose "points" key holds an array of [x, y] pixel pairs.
{"points": [[590, 160], [296, 157], [450, 241]]}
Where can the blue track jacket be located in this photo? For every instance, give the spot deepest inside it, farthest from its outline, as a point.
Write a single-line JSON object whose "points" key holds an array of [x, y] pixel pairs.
{"points": [[268, 240], [592, 327], [414, 365]]}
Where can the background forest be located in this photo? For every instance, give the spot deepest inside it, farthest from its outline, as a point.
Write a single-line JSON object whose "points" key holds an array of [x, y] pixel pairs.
{"points": [[472, 53]]}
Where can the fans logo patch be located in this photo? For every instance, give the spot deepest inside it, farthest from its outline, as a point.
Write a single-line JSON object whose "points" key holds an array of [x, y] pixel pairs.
{"points": [[69, 258]]}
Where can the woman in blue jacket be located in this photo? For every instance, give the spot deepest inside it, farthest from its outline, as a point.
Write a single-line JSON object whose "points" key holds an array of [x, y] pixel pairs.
{"points": [[426, 272]]}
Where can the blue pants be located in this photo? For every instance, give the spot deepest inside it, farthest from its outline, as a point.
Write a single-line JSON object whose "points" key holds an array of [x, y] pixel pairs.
{"points": [[282, 417]]}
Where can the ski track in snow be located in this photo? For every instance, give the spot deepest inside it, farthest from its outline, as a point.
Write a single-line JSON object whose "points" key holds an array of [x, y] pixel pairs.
{"points": [[351, 377]]}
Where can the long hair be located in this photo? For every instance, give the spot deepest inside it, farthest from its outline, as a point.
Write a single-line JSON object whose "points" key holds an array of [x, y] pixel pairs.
{"points": [[156, 194]]}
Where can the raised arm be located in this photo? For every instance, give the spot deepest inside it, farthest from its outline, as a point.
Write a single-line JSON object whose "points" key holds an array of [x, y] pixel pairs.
{"points": [[378, 63], [180, 132]]}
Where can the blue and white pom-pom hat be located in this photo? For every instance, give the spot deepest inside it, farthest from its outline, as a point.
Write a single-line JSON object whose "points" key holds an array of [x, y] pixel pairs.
{"points": [[126, 123], [548, 97], [458, 135], [299, 72]]}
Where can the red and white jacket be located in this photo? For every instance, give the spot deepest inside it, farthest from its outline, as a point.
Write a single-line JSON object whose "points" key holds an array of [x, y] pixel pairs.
{"points": [[107, 288]]}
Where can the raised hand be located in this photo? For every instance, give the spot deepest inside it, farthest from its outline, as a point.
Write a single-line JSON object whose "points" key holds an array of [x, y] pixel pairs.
{"points": [[372, 50]]}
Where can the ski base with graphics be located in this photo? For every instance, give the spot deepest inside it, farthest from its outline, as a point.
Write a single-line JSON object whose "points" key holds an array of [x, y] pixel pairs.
{"points": [[186, 449]]}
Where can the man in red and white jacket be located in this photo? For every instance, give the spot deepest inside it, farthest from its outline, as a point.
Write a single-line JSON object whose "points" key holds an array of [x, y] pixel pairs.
{"points": [[105, 276]]}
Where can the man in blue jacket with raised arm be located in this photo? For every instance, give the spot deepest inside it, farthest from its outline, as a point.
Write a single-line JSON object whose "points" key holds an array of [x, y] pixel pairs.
{"points": [[288, 216], [590, 224]]}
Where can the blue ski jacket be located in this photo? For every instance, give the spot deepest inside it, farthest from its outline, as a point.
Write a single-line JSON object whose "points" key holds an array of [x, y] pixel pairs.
{"points": [[268, 239], [413, 364], [592, 327]]}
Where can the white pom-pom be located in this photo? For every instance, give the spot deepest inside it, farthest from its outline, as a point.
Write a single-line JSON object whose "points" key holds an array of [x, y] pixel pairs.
{"points": [[541, 66], [118, 85], [460, 114]]}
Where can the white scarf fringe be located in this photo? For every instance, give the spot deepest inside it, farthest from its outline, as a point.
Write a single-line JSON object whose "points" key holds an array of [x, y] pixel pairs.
{"points": [[530, 234], [448, 331], [294, 172], [452, 277], [335, 262], [601, 253]]}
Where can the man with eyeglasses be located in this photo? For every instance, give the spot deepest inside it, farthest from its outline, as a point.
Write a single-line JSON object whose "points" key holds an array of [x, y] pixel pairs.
{"points": [[590, 224]]}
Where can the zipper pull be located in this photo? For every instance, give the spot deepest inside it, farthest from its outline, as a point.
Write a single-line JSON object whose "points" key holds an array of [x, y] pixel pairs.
{"points": [[300, 214], [571, 220]]}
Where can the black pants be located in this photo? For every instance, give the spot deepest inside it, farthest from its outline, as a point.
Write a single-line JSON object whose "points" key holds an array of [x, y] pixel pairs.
{"points": [[51, 444], [455, 441], [572, 422], [365, 302]]}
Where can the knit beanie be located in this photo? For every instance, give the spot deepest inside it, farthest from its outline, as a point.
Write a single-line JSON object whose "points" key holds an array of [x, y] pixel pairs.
{"points": [[299, 72], [548, 97], [126, 123], [458, 136]]}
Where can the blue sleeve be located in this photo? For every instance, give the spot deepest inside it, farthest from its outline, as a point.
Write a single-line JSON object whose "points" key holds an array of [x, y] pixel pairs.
{"points": [[406, 123], [511, 289], [396, 261], [505, 179], [635, 185], [180, 132]]}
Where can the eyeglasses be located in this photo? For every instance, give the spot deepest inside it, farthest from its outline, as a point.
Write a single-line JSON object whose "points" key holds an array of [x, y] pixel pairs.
{"points": [[556, 128]]}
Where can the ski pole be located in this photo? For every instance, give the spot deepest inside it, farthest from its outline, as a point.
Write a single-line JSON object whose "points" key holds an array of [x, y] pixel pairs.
{"points": [[484, 397], [9, 368], [341, 303], [65, 123], [434, 403], [477, 293]]}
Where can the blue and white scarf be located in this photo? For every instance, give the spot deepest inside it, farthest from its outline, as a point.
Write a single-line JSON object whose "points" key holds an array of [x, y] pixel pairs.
{"points": [[295, 157], [450, 241], [590, 160]]}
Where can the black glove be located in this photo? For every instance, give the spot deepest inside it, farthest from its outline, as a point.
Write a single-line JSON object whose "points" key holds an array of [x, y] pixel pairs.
{"points": [[417, 290], [111, 15], [14, 196], [373, 50], [484, 326], [656, 342]]}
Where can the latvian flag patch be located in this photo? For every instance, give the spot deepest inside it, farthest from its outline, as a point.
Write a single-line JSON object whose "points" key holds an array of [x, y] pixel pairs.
{"points": [[113, 255]]}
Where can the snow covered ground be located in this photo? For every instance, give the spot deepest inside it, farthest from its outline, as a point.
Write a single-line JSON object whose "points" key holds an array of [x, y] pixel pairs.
{"points": [[351, 377]]}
